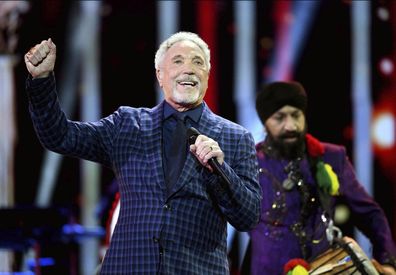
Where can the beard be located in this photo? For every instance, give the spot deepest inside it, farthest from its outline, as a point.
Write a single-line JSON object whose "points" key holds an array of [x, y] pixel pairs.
{"points": [[288, 150], [185, 98]]}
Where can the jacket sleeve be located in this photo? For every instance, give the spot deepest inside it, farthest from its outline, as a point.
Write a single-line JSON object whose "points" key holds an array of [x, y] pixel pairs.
{"points": [[367, 215], [87, 140], [240, 198]]}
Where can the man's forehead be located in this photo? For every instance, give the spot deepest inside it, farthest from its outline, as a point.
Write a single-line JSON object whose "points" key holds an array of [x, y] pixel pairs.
{"points": [[288, 109], [185, 47]]}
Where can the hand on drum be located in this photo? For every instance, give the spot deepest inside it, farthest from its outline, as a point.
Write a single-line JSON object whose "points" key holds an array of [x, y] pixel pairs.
{"points": [[383, 269]]}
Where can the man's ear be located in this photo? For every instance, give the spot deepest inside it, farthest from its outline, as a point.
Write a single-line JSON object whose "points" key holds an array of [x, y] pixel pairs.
{"points": [[159, 75]]}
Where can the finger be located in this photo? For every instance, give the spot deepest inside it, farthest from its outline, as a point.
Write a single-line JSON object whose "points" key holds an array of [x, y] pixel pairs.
{"points": [[29, 56], [209, 167], [27, 59], [205, 148], [51, 44], [29, 65], [34, 55], [43, 51], [199, 143], [34, 59], [193, 148], [206, 153], [203, 161], [199, 139], [208, 156]]}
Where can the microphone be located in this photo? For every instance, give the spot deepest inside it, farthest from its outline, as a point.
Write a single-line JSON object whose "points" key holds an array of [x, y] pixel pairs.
{"points": [[192, 135]]}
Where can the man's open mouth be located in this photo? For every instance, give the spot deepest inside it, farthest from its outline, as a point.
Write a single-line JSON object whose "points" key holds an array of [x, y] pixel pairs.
{"points": [[187, 83]]}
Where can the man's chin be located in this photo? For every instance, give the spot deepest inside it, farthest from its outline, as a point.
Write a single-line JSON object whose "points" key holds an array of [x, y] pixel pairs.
{"points": [[184, 99], [187, 90]]}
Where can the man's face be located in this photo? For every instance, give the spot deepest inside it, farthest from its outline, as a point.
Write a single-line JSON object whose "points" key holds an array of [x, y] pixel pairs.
{"points": [[183, 75], [286, 130]]}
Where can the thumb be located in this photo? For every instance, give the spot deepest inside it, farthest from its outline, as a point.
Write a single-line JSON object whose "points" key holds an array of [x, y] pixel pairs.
{"points": [[377, 266], [51, 44]]}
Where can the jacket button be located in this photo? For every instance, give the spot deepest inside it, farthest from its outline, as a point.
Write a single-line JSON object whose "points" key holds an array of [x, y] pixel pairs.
{"points": [[167, 207]]}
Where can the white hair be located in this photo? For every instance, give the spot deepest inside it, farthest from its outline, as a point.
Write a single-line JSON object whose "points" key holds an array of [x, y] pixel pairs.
{"points": [[181, 36]]}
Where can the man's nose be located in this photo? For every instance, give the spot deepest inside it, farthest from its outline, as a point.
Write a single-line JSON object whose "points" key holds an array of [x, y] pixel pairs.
{"points": [[290, 124], [188, 68]]}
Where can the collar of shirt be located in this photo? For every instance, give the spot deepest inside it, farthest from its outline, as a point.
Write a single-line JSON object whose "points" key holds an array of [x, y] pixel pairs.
{"points": [[193, 114]]}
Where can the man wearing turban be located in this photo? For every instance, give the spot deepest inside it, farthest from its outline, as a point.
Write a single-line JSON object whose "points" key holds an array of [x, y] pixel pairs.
{"points": [[302, 178]]}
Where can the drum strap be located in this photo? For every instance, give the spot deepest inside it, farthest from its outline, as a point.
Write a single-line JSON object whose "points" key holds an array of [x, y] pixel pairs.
{"points": [[355, 259]]}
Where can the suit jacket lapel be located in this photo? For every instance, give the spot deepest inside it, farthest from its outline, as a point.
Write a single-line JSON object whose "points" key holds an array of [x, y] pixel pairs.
{"points": [[151, 128], [209, 126]]}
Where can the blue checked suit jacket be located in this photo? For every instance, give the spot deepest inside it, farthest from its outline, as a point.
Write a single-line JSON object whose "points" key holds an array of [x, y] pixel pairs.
{"points": [[181, 232]]}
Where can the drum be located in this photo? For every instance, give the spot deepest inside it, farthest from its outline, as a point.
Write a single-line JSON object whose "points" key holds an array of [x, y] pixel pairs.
{"points": [[113, 217], [344, 257], [110, 224]]}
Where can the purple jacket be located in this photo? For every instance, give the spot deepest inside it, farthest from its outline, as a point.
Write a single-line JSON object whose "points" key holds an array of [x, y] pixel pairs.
{"points": [[273, 241]]}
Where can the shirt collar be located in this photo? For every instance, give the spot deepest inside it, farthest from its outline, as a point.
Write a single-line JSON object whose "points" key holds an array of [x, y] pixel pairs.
{"points": [[194, 114]]}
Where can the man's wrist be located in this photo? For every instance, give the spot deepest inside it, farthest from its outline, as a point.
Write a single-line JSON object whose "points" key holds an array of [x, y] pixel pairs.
{"points": [[43, 75]]}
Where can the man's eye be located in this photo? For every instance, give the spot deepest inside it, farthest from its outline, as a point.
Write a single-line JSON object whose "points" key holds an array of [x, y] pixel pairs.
{"points": [[198, 62], [278, 118], [177, 61], [297, 115]]}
